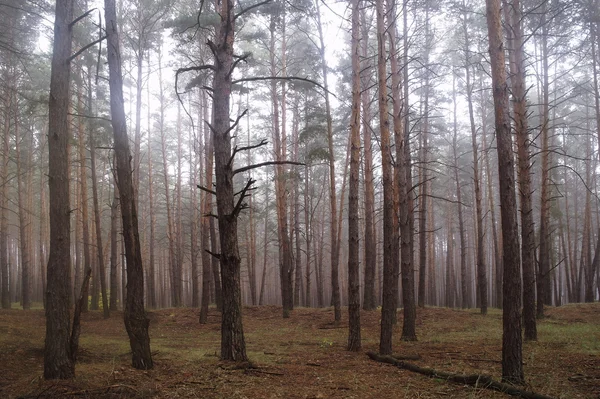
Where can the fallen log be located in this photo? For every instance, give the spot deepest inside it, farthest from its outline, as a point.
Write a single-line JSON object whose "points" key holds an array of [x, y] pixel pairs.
{"points": [[475, 380]]}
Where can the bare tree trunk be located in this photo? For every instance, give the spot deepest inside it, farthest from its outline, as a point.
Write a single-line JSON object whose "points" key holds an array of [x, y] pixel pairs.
{"points": [[285, 255], [390, 234], [58, 362], [136, 321], [23, 191], [481, 266], [6, 302], [370, 297], [354, 340], [265, 248], [594, 267], [402, 219], [512, 351], [83, 202], [99, 248], [517, 78], [233, 346], [335, 284], [424, 177], [114, 261], [544, 293], [488, 171], [308, 226], [461, 223]]}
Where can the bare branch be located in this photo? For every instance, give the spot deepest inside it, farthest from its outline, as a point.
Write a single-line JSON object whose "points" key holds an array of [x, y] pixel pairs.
{"points": [[239, 206], [253, 6], [81, 17], [288, 78], [71, 58], [246, 148], [260, 165], [243, 57], [102, 118], [237, 121], [218, 256], [208, 190]]}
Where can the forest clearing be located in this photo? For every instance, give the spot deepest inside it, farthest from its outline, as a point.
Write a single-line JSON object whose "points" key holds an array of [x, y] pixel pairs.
{"points": [[302, 357]]}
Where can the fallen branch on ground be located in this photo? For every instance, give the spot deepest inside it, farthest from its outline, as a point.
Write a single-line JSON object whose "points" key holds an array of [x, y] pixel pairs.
{"points": [[476, 380]]}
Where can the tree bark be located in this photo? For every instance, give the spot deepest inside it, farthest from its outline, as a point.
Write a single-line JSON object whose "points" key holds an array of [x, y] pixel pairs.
{"points": [[233, 346], [354, 341], [544, 293], [390, 234], [481, 266], [517, 71], [136, 321], [335, 284], [512, 356], [57, 351], [370, 298]]}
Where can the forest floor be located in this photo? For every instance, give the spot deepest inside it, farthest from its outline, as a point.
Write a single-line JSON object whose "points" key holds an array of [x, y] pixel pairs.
{"points": [[301, 357]]}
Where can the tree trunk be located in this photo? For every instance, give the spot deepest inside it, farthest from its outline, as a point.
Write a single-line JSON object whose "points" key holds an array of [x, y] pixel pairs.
{"points": [[512, 356], [481, 266], [233, 346], [402, 219], [354, 342], [390, 234], [23, 191], [57, 352], [99, 248], [517, 78], [83, 202], [424, 155], [492, 206], [114, 261], [544, 293], [136, 321], [370, 298], [335, 283], [461, 224]]}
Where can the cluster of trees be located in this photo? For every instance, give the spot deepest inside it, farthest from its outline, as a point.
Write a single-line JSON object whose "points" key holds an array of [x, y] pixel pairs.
{"points": [[248, 162]]}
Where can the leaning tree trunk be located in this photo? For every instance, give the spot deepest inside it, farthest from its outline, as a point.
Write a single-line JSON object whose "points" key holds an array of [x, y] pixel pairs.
{"points": [[136, 321], [57, 351], [512, 350]]}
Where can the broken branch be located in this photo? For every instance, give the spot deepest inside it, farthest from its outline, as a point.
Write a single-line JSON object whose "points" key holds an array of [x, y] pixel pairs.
{"points": [[476, 380]]}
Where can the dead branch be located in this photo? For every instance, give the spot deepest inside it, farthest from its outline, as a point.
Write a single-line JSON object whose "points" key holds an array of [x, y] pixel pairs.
{"points": [[218, 256], [87, 46], [236, 122], [476, 380], [241, 58], [245, 10], [79, 18], [255, 370], [208, 190], [237, 149], [239, 206], [287, 78], [260, 165]]}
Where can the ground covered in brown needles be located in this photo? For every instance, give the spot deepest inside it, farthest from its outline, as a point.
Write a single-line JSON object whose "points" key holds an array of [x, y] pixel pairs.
{"points": [[301, 357]]}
